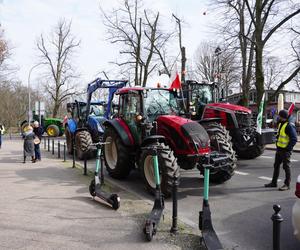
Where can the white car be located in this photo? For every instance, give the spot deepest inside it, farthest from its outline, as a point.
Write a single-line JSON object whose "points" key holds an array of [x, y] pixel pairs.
{"points": [[296, 211]]}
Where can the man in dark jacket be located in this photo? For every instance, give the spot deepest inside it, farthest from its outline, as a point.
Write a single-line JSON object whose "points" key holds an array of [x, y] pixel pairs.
{"points": [[286, 140], [38, 131]]}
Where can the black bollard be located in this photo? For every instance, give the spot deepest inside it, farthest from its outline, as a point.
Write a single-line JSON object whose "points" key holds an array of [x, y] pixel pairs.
{"points": [[64, 151], [85, 165], [277, 219], [74, 147], [48, 144], [53, 146], [58, 149], [174, 228]]}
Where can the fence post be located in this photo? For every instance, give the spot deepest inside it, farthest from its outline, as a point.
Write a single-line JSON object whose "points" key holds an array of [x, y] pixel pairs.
{"points": [[74, 146], [277, 219], [48, 144], [174, 228], [64, 151], [85, 165], [53, 146], [58, 149]]}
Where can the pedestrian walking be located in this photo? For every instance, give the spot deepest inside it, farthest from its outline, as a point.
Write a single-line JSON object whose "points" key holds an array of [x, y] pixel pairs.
{"points": [[28, 146], [38, 131], [2, 130], [286, 140]]}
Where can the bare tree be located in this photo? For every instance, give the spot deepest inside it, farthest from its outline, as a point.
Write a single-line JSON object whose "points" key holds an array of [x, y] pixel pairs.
{"points": [[182, 48], [56, 55], [273, 72], [267, 21], [142, 42], [207, 68]]}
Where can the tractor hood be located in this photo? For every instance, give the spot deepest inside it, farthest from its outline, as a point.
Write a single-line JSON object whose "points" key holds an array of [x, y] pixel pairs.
{"points": [[229, 106], [185, 136]]}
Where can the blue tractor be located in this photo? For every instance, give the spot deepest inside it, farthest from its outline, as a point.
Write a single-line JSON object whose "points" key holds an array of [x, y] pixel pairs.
{"points": [[85, 126]]}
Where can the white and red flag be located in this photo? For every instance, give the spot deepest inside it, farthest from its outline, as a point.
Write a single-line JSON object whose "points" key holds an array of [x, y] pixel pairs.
{"points": [[291, 108], [175, 82]]}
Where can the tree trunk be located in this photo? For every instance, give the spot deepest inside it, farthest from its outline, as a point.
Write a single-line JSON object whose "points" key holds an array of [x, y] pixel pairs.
{"points": [[259, 73], [183, 61]]}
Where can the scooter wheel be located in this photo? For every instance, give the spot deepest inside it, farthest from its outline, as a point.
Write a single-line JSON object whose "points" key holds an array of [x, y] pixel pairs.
{"points": [[92, 188], [116, 201], [149, 231]]}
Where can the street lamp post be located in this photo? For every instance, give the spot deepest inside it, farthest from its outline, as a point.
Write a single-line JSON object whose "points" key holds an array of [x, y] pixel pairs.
{"points": [[29, 92]]}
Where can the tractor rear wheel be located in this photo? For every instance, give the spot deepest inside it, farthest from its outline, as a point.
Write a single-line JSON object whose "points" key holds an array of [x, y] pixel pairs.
{"points": [[52, 130], [69, 139], [220, 141], [83, 140], [168, 168], [251, 152], [116, 155]]}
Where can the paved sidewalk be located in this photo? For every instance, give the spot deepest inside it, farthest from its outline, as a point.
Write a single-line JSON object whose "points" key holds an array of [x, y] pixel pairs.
{"points": [[46, 205], [296, 148]]}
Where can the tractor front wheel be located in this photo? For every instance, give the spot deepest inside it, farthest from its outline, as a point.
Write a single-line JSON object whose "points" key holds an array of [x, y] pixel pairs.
{"points": [[220, 141], [251, 152], [52, 130], [168, 168], [116, 155], [83, 140]]}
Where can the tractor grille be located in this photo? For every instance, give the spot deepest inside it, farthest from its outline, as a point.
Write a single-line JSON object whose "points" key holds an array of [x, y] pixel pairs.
{"points": [[197, 133]]}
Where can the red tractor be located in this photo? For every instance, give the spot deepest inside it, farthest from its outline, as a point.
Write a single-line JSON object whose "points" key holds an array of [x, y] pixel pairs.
{"points": [[240, 133], [150, 116]]}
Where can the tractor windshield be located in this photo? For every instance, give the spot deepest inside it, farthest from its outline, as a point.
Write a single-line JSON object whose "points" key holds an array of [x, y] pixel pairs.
{"points": [[160, 102], [202, 93]]}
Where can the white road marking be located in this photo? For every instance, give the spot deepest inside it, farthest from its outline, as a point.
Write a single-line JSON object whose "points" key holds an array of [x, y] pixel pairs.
{"points": [[269, 157], [267, 178], [241, 173], [265, 156]]}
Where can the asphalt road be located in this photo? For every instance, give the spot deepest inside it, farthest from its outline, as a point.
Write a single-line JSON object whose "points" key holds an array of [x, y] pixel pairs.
{"points": [[241, 208]]}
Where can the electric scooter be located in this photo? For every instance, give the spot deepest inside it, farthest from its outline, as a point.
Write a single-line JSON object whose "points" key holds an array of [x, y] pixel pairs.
{"points": [[96, 183], [153, 220], [209, 235]]}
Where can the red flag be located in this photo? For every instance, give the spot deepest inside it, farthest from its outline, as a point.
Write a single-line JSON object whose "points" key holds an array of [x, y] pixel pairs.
{"points": [[175, 80], [291, 108]]}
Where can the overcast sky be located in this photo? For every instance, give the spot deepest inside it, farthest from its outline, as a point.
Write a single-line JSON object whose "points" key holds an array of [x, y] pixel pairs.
{"points": [[24, 20]]}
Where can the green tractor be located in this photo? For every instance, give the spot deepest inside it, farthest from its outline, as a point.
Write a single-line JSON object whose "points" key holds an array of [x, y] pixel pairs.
{"points": [[52, 126]]}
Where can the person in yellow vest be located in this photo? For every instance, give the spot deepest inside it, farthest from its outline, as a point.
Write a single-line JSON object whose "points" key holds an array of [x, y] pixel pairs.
{"points": [[286, 140]]}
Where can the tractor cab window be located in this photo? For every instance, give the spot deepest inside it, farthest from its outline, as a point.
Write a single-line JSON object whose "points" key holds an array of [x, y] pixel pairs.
{"points": [[160, 102], [97, 110], [130, 106], [202, 93]]}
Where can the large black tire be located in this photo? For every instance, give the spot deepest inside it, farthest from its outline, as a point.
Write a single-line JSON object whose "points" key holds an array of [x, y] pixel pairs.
{"points": [[117, 156], [168, 168], [251, 152], [83, 141], [52, 130], [220, 141], [69, 139]]}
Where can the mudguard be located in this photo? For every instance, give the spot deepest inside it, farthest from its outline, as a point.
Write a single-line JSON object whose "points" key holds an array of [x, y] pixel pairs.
{"points": [[122, 130], [153, 138], [207, 120], [72, 125]]}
